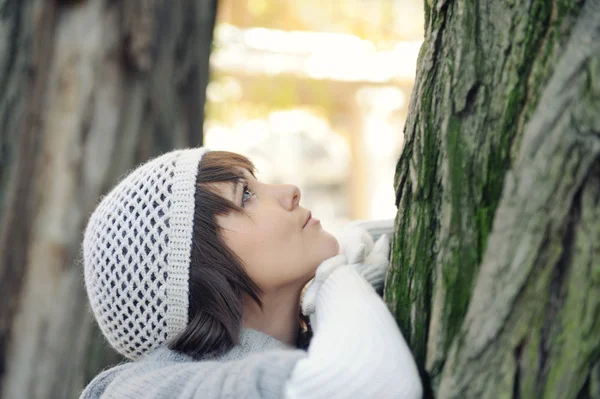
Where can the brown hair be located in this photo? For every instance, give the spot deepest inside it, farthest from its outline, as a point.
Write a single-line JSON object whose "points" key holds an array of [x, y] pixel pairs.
{"points": [[217, 279]]}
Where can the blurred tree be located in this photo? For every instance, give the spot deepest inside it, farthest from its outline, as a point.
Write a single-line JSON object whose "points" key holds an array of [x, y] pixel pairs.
{"points": [[496, 259], [87, 90]]}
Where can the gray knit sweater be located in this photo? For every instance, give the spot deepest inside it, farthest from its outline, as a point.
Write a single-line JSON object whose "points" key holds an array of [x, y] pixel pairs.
{"points": [[256, 368], [357, 351]]}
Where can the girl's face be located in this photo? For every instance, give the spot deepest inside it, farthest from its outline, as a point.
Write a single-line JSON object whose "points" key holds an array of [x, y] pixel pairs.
{"points": [[273, 239]]}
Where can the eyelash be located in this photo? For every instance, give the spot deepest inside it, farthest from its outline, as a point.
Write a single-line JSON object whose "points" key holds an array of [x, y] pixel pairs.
{"points": [[244, 192]]}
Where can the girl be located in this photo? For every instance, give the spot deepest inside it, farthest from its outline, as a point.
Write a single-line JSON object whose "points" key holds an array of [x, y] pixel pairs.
{"points": [[195, 271]]}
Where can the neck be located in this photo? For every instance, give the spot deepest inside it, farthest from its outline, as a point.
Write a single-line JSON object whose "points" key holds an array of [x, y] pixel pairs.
{"points": [[279, 317]]}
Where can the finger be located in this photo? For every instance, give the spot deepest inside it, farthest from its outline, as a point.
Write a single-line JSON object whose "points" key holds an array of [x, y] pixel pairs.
{"points": [[382, 245], [353, 236], [367, 240], [356, 253], [381, 250]]}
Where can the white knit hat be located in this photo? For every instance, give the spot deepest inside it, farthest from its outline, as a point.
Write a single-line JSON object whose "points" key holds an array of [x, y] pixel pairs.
{"points": [[137, 249]]}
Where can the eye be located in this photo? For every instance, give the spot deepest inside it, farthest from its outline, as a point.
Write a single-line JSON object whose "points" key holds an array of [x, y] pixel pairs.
{"points": [[247, 194]]}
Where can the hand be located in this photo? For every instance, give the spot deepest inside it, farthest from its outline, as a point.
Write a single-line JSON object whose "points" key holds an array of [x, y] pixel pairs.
{"points": [[309, 293], [371, 260], [377, 263], [355, 242]]}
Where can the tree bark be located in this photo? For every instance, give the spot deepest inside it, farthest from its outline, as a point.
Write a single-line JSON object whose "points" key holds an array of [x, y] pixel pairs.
{"points": [[496, 259], [88, 89]]}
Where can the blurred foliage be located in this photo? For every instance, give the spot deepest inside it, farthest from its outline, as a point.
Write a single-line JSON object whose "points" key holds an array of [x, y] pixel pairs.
{"points": [[329, 60], [384, 23], [259, 98], [380, 21]]}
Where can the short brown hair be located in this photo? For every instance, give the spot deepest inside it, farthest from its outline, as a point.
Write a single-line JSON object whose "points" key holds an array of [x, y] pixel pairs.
{"points": [[217, 279]]}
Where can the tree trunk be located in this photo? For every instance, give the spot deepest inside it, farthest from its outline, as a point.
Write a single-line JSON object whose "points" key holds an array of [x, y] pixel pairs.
{"points": [[496, 258], [88, 89]]}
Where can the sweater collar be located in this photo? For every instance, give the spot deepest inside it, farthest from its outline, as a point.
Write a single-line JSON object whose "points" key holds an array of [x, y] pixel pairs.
{"points": [[251, 341]]}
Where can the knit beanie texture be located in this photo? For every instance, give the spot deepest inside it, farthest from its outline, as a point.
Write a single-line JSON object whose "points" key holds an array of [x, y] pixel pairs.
{"points": [[137, 250]]}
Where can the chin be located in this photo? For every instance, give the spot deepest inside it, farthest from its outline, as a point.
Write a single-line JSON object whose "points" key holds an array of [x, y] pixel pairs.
{"points": [[326, 248], [331, 246]]}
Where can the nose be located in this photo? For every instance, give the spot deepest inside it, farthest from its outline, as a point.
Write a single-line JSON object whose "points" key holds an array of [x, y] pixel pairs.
{"points": [[289, 196]]}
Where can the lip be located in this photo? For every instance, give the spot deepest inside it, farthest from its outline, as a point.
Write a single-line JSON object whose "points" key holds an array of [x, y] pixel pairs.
{"points": [[308, 217], [310, 221]]}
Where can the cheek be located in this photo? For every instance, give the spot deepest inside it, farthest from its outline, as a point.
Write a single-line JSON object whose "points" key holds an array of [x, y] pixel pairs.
{"points": [[275, 251], [260, 239], [259, 245], [270, 232]]}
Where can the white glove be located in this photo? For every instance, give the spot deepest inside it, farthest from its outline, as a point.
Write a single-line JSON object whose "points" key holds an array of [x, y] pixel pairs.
{"points": [[309, 293], [371, 260]]}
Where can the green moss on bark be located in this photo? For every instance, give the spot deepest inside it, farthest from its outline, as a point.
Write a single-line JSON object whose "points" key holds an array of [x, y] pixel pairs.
{"points": [[480, 76]]}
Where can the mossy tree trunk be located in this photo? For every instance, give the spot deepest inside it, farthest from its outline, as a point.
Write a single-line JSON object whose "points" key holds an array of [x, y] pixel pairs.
{"points": [[496, 258], [87, 89]]}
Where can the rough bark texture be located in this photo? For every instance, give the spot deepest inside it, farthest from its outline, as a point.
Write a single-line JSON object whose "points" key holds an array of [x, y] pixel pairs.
{"points": [[87, 90], [496, 259]]}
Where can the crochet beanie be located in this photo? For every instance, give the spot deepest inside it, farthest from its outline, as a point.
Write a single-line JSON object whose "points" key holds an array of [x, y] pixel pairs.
{"points": [[136, 251]]}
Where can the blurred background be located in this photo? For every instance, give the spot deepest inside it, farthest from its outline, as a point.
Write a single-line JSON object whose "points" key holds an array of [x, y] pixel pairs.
{"points": [[315, 93]]}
